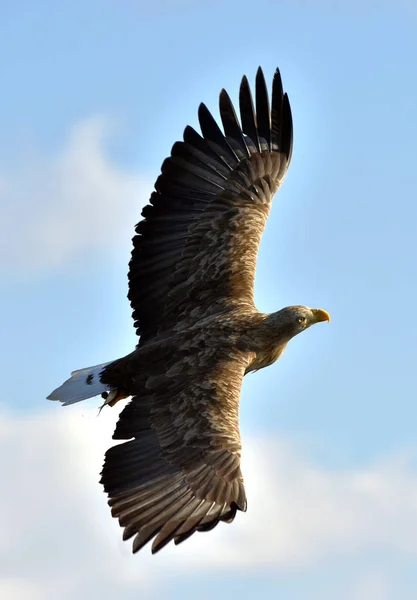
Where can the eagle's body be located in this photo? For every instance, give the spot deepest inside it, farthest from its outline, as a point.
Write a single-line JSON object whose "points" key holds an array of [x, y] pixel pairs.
{"points": [[191, 282]]}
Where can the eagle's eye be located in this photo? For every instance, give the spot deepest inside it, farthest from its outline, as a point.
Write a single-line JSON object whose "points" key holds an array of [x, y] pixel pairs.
{"points": [[301, 319]]}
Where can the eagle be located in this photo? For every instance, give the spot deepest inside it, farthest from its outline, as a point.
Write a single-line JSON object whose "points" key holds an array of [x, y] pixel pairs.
{"points": [[191, 288]]}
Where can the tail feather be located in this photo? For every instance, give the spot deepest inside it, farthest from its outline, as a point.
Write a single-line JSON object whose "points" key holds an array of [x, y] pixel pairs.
{"points": [[83, 384]]}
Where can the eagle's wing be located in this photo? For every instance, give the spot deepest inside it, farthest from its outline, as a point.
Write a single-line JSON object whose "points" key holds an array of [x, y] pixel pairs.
{"points": [[195, 251], [181, 472]]}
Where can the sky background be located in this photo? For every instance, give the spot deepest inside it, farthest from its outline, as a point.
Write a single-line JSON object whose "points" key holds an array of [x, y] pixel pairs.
{"points": [[93, 96]]}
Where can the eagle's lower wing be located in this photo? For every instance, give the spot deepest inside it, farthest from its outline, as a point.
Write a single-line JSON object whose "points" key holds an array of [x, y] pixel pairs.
{"points": [[195, 251], [181, 472]]}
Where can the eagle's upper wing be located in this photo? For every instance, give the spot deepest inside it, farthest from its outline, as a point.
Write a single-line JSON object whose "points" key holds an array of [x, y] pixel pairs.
{"points": [[195, 250], [181, 472]]}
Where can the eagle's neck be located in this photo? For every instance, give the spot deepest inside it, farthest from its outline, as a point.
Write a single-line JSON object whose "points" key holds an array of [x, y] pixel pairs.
{"points": [[265, 338], [265, 357]]}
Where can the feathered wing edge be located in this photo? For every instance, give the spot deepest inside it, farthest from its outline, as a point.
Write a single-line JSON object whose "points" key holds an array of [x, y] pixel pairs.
{"points": [[195, 175], [181, 471], [152, 498]]}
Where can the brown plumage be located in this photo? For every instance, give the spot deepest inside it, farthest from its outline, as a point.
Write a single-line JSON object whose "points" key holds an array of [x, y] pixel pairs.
{"points": [[191, 287]]}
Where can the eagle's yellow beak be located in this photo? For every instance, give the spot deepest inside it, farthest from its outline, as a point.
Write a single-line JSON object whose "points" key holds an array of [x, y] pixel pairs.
{"points": [[320, 315]]}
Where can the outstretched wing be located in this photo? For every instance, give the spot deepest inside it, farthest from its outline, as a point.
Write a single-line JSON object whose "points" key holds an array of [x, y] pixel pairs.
{"points": [[195, 251], [181, 472]]}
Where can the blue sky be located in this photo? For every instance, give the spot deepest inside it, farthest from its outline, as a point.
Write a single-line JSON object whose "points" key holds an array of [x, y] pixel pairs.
{"points": [[94, 94]]}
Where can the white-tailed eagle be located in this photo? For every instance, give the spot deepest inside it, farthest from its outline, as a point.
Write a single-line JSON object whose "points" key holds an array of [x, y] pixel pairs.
{"points": [[191, 287]]}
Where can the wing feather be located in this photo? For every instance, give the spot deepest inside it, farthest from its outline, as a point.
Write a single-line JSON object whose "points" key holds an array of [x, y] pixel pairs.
{"points": [[232, 128], [213, 134], [263, 114], [169, 530], [248, 115]]}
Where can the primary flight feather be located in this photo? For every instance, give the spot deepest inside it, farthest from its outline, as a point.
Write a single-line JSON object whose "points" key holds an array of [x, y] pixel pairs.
{"points": [[191, 287]]}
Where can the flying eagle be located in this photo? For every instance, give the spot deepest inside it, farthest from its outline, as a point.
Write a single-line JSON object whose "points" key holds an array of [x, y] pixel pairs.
{"points": [[191, 287]]}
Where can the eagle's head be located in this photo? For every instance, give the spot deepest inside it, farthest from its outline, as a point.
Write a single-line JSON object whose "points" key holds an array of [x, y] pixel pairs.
{"points": [[292, 320]]}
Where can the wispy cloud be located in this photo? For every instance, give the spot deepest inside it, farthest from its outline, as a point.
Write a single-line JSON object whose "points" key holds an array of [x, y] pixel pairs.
{"points": [[52, 208], [57, 533]]}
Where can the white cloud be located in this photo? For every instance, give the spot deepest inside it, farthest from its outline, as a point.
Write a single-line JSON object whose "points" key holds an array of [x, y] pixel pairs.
{"points": [[16, 589], [371, 586], [53, 208], [58, 536]]}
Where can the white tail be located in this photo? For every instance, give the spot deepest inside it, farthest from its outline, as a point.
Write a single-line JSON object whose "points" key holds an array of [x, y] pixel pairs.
{"points": [[83, 384]]}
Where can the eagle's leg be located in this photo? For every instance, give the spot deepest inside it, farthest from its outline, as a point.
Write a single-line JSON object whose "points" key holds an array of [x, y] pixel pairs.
{"points": [[111, 398]]}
